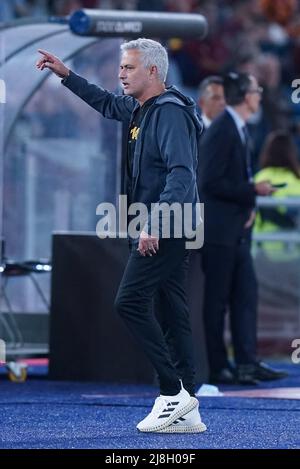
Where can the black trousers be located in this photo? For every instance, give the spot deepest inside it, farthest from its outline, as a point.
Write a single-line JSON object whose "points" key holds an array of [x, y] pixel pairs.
{"points": [[230, 283], [160, 280]]}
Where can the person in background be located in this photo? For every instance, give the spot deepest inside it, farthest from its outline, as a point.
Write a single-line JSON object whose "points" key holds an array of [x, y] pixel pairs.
{"points": [[227, 189], [211, 99], [280, 166]]}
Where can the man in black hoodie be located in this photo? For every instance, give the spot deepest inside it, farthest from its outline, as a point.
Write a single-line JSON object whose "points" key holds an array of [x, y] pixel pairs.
{"points": [[162, 149]]}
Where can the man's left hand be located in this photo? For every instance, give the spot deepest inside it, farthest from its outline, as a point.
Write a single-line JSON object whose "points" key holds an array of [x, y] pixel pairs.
{"points": [[148, 245]]}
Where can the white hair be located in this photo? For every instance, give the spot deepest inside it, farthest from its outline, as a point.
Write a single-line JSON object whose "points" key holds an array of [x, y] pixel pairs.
{"points": [[152, 52]]}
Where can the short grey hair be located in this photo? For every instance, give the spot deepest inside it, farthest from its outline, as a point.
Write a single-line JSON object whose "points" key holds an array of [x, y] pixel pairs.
{"points": [[152, 52], [211, 80]]}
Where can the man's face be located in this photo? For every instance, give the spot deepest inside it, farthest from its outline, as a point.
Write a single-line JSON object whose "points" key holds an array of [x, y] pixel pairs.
{"points": [[253, 96], [134, 77], [212, 102]]}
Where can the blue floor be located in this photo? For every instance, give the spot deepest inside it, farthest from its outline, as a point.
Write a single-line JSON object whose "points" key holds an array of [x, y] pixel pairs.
{"points": [[45, 414]]}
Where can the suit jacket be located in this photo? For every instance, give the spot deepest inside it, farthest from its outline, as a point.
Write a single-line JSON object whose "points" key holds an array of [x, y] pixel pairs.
{"points": [[224, 188]]}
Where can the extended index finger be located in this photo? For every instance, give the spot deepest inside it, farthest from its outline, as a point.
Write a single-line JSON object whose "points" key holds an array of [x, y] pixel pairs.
{"points": [[47, 54]]}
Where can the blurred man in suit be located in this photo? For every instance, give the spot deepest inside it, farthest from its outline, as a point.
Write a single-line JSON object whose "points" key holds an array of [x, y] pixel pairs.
{"points": [[228, 193], [211, 99]]}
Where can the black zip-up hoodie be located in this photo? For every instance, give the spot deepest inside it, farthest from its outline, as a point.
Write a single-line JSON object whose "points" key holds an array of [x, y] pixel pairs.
{"points": [[166, 151]]}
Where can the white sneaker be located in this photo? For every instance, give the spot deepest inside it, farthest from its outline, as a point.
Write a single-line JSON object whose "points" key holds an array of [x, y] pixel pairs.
{"points": [[187, 423], [166, 410]]}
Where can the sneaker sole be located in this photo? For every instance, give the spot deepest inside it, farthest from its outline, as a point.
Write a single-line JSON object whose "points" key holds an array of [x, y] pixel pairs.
{"points": [[201, 427], [189, 406]]}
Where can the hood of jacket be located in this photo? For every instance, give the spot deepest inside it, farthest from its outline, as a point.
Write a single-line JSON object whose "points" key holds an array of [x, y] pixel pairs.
{"points": [[173, 95]]}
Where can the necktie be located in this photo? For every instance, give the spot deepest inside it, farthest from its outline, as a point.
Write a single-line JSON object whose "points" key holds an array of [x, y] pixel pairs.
{"points": [[247, 143]]}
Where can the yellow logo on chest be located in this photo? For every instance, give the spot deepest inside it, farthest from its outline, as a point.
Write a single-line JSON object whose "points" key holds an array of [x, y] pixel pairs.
{"points": [[134, 133]]}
